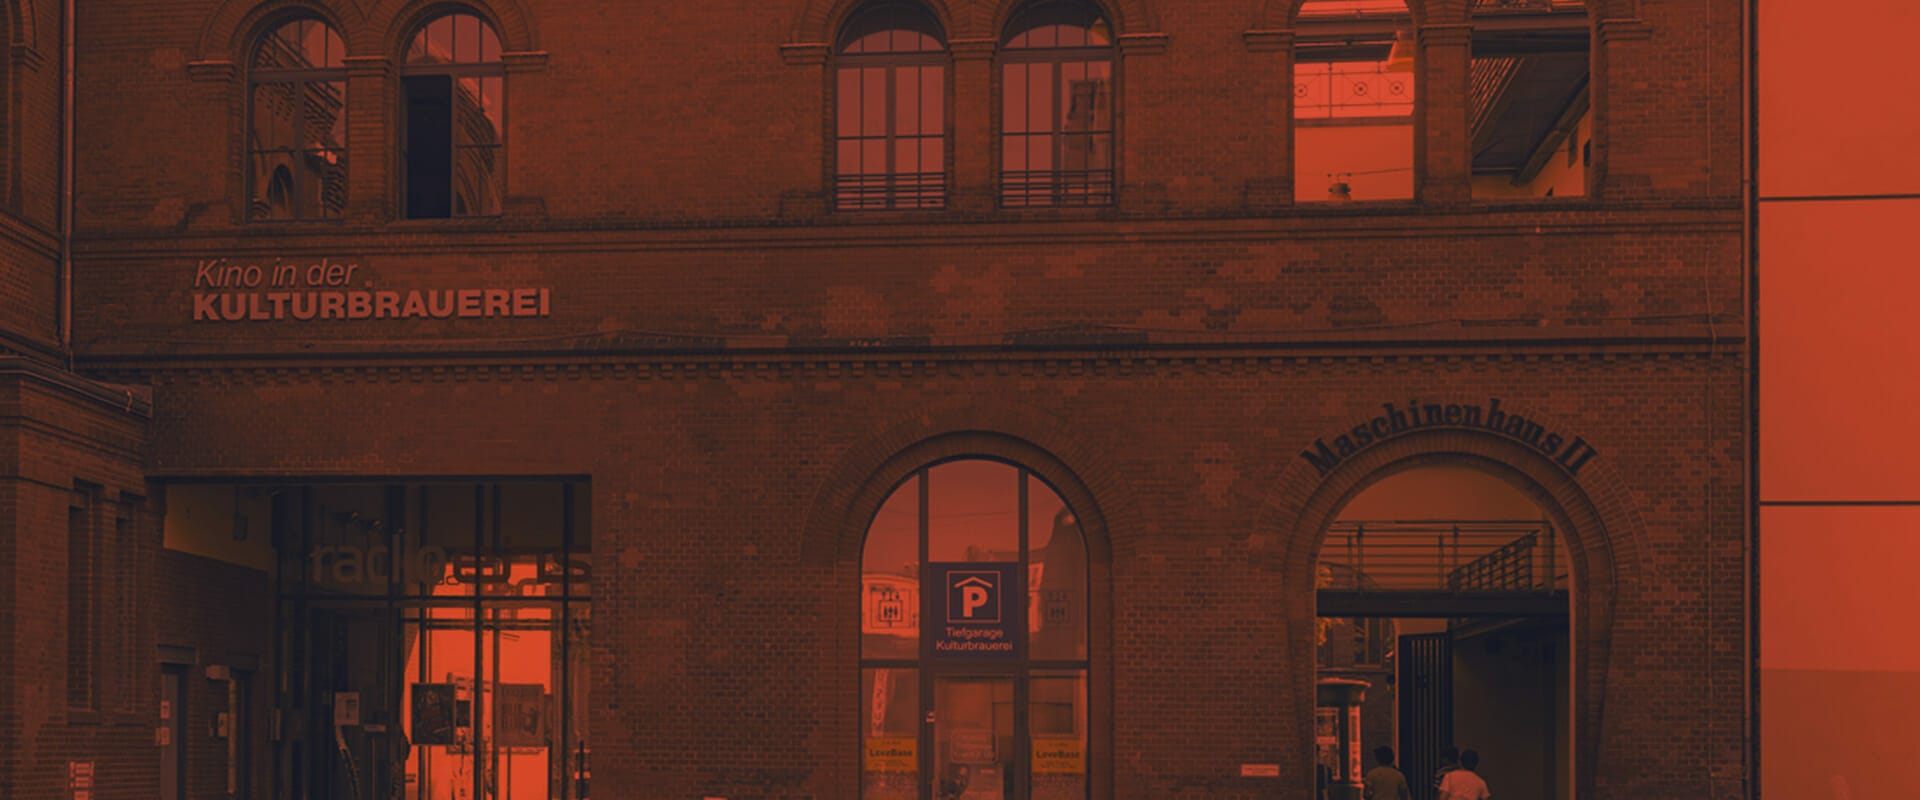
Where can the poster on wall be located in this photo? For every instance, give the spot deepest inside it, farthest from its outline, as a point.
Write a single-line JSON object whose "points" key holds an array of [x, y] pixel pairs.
{"points": [[521, 715], [976, 609], [433, 714]]}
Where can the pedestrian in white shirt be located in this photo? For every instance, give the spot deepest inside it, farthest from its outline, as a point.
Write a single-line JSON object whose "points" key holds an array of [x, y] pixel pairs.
{"points": [[1464, 783]]}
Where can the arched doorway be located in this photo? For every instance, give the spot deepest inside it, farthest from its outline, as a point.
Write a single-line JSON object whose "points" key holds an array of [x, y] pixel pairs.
{"points": [[1443, 625]]}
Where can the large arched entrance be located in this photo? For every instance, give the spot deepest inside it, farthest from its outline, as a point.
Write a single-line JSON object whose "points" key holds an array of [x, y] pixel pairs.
{"points": [[1443, 627]]}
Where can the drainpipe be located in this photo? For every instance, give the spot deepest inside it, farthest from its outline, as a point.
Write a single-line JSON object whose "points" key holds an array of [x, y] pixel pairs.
{"points": [[66, 181]]}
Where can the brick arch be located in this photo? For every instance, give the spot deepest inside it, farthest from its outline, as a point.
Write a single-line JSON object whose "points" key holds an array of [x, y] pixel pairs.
{"points": [[229, 34], [860, 481], [395, 22], [1127, 16], [21, 33], [1595, 515], [820, 20]]}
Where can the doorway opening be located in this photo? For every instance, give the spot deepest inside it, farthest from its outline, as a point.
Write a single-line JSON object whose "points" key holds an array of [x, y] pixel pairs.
{"points": [[1443, 626]]}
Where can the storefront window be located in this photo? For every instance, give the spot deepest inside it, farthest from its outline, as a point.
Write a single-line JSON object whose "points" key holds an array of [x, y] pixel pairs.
{"points": [[438, 638], [988, 699]]}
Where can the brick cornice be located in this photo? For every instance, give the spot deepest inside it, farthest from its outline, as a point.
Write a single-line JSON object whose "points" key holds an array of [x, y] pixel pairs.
{"points": [[972, 49], [523, 61], [1623, 30], [368, 66], [129, 400], [1562, 216], [837, 366], [212, 71], [1268, 41], [803, 54], [1143, 44]]}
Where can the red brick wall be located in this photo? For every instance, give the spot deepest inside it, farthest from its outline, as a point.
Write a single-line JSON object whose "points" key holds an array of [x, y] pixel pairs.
{"points": [[57, 436], [30, 185]]}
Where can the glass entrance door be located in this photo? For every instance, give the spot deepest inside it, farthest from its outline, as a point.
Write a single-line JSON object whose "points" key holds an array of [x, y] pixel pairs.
{"points": [[976, 739]]}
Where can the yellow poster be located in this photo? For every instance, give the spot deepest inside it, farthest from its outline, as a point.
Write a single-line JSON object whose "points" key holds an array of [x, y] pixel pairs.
{"points": [[893, 754], [1058, 756]]}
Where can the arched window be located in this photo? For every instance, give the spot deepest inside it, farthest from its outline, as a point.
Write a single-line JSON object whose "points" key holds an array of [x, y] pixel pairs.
{"points": [[1353, 96], [453, 85], [1056, 117], [1527, 106], [297, 123], [994, 562], [891, 116]]}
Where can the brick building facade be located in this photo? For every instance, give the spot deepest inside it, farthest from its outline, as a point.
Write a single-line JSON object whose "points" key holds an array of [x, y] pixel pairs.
{"points": [[645, 309]]}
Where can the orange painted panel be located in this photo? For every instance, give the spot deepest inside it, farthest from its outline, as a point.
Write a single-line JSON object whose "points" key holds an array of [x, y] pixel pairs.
{"points": [[1839, 353], [1836, 588], [1837, 114]]}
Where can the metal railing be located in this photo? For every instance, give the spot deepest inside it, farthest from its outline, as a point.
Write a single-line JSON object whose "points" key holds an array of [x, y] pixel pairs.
{"points": [[895, 190], [1056, 187], [1443, 555]]}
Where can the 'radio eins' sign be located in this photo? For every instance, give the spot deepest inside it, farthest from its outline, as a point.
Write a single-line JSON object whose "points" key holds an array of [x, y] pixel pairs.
{"points": [[977, 609]]}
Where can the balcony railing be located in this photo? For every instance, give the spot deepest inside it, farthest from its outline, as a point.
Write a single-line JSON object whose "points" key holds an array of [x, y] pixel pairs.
{"points": [[884, 191], [1056, 187], [1444, 555]]}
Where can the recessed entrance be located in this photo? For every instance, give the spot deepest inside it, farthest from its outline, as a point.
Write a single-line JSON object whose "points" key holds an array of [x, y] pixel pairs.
{"points": [[1443, 626]]}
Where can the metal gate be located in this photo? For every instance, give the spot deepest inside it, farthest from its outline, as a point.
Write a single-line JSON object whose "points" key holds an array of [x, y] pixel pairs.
{"points": [[1426, 707]]}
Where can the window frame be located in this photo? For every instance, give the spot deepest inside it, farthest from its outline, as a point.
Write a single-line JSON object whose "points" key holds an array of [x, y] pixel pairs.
{"points": [[896, 194], [1053, 192], [301, 79], [454, 71]]}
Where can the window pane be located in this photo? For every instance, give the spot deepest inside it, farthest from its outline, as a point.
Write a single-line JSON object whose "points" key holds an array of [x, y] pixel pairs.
{"points": [[323, 191], [847, 100], [1040, 98], [873, 102], [275, 115], [847, 159], [890, 578], [906, 102], [440, 40], [890, 734], [933, 95], [476, 176], [1057, 724], [325, 115], [906, 156], [1057, 617], [1014, 101], [466, 38], [489, 44], [973, 512], [933, 155]]}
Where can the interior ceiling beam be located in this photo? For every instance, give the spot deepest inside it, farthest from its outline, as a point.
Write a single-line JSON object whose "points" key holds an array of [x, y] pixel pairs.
{"points": [[1441, 604]]}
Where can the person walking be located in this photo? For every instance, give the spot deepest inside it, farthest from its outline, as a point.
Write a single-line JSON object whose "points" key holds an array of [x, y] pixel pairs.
{"points": [[1449, 761], [1384, 782], [1464, 783]]}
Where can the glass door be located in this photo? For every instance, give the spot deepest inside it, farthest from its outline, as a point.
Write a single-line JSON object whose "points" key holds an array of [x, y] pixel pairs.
{"points": [[976, 738]]}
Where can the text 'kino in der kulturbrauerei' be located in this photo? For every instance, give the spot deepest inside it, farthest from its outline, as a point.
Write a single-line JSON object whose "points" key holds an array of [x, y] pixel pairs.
{"points": [[229, 291]]}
